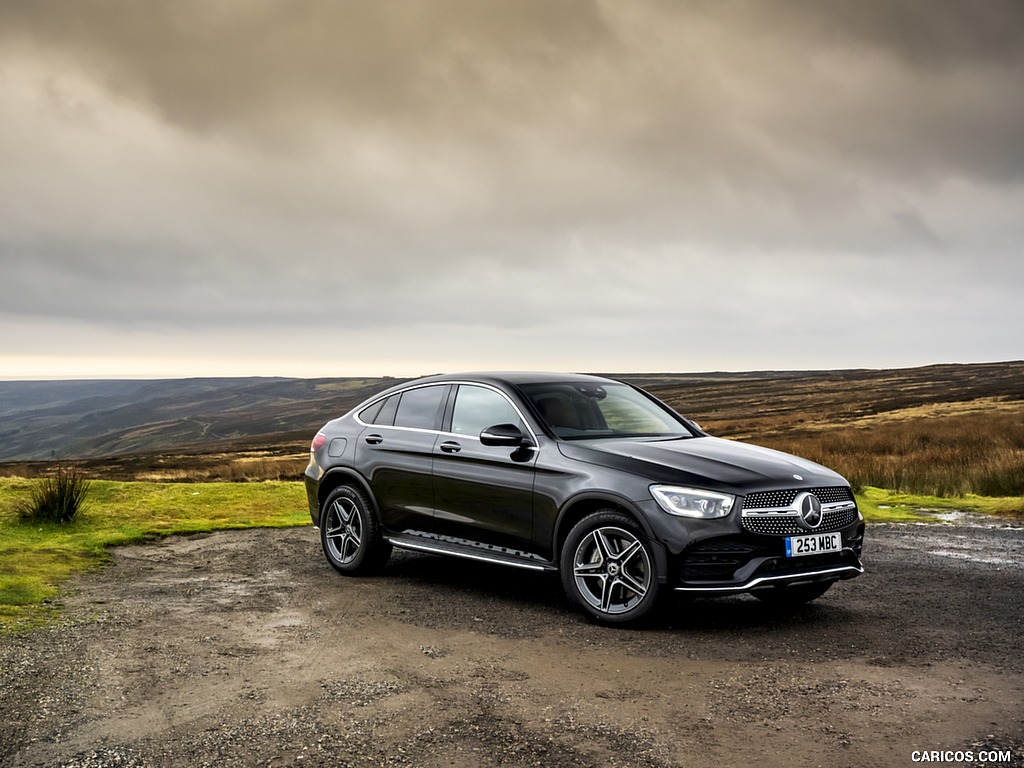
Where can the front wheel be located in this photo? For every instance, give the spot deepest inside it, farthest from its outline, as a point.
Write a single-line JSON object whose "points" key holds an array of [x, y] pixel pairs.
{"points": [[607, 567], [350, 534]]}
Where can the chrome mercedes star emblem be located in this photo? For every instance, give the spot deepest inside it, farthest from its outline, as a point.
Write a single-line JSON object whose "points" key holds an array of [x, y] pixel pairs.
{"points": [[809, 507]]}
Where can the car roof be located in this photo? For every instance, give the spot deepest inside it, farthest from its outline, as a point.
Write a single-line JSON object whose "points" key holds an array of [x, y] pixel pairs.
{"points": [[499, 379], [509, 377]]}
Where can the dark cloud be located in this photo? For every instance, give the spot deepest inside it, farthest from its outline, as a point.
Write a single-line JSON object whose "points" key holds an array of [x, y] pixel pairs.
{"points": [[925, 34], [206, 64]]}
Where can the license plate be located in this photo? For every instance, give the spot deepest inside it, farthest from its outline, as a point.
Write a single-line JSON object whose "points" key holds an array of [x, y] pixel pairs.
{"points": [[815, 544]]}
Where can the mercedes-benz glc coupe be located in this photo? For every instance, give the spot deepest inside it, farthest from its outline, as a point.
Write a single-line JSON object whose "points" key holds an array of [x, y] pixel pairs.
{"points": [[590, 477]]}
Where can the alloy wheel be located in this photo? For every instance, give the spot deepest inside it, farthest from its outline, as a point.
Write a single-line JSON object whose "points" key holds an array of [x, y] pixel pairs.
{"points": [[612, 570], [344, 531]]}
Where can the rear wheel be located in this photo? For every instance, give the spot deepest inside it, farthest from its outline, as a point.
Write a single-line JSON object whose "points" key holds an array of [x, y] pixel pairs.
{"points": [[798, 594], [607, 567], [350, 534]]}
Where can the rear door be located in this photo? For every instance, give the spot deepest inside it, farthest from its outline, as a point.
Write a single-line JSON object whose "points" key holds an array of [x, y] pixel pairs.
{"points": [[395, 453]]}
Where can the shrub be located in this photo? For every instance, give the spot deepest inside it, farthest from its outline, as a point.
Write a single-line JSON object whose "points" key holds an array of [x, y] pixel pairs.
{"points": [[57, 499]]}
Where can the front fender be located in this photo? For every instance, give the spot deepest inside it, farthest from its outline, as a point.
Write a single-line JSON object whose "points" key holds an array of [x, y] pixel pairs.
{"points": [[584, 503]]}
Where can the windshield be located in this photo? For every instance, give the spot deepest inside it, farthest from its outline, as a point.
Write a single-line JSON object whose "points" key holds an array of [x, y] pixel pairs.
{"points": [[585, 410]]}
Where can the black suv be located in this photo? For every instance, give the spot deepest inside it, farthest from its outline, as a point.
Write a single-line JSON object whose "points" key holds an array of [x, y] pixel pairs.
{"points": [[587, 476]]}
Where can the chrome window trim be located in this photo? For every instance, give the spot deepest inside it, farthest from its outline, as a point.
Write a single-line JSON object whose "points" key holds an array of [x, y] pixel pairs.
{"points": [[373, 401], [363, 406]]}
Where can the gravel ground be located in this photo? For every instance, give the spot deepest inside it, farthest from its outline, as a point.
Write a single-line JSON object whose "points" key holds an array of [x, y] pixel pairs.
{"points": [[246, 649]]}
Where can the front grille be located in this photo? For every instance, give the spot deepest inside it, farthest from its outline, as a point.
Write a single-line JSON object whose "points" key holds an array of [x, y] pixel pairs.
{"points": [[782, 525], [774, 524], [783, 499]]}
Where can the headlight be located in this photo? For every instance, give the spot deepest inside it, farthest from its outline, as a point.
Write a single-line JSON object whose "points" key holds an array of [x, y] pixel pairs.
{"points": [[691, 502]]}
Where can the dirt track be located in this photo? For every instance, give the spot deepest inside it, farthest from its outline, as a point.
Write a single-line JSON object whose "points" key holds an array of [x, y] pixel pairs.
{"points": [[245, 649]]}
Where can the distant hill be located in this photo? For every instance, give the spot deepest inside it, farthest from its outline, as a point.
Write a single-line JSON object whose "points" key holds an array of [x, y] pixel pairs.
{"points": [[85, 419], [759, 404], [93, 419]]}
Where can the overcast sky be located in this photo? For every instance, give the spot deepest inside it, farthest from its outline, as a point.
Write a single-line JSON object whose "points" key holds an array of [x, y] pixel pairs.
{"points": [[317, 188]]}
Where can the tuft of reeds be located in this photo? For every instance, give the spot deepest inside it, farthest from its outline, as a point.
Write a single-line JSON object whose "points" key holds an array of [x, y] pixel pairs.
{"points": [[57, 498]]}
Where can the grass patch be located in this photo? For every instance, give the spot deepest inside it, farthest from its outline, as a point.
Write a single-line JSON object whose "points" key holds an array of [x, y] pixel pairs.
{"points": [[882, 506], [36, 559]]}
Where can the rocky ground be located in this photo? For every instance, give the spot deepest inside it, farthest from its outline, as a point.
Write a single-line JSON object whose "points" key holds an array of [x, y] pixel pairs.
{"points": [[246, 649]]}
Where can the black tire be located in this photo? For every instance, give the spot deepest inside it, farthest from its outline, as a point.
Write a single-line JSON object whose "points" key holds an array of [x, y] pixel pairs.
{"points": [[607, 568], [794, 596], [350, 534]]}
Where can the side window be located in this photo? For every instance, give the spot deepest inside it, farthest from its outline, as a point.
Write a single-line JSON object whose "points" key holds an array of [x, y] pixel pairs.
{"points": [[418, 408], [477, 408], [367, 415], [382, 412]]}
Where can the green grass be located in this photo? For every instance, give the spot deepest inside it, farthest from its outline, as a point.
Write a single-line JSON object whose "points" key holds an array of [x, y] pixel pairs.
{"points": [[35, 560], [882, 506]]}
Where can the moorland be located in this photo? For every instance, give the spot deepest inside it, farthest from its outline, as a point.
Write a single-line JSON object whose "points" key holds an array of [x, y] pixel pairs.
{"points": [[942, 430]]}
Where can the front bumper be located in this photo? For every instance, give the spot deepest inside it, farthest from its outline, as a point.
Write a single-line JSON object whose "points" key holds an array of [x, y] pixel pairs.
{"points": [[745, 562]]}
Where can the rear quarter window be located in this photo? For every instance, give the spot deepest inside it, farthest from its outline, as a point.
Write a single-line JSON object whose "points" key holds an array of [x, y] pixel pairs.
{"points": [[419, 408]]}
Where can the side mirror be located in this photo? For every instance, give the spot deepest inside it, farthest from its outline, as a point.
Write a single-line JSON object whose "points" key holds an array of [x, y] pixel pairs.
{"points": [[503, 435]]}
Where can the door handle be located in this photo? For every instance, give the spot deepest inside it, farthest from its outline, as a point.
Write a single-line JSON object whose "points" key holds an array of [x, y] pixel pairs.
{"points": [[450, 447], [374, 439]]}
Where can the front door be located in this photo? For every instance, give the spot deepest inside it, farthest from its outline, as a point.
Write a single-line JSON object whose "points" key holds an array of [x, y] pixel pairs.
{"points": [[483, 494]]}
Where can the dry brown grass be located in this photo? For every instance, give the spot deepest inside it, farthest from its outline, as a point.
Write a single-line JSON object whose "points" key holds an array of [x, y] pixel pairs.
{"points": [[239, 469], [938, 455], [286, 462]]}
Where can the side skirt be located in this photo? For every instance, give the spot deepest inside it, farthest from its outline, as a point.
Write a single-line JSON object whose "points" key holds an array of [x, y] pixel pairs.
{"points": [[470, 550]]}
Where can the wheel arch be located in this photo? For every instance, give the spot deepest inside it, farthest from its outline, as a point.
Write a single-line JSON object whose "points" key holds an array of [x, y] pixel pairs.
{"points": [[578, 507], [335, 478]]}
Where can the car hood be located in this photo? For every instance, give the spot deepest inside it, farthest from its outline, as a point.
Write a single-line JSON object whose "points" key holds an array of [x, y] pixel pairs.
{"points": [[707, 462]]}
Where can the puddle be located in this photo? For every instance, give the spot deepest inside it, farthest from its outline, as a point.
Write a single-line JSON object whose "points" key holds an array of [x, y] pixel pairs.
{"points": [[962, 536], [974, 557], [965, 518]]}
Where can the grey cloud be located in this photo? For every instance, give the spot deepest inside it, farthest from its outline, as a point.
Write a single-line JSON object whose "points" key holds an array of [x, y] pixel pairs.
{"points": [[918, 230], [690, 175]]}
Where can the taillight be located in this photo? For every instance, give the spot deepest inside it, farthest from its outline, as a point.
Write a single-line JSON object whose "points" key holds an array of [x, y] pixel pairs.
{"points": [[318, 442]]}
